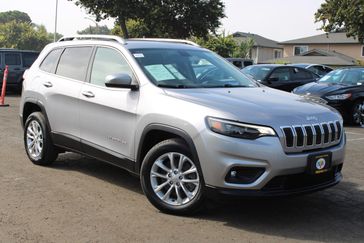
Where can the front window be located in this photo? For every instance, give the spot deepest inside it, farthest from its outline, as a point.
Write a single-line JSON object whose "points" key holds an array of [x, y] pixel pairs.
{"points": [[349, 77], [299, 50], [257, 72], [176, 68]]}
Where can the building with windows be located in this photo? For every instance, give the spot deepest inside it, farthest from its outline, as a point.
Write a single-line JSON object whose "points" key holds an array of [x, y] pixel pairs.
{"points": [[263, 49], [330, 42]]}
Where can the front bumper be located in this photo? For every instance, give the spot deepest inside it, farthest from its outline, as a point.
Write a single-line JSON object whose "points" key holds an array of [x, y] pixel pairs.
{"points": [[218, 154], [280, 186]]}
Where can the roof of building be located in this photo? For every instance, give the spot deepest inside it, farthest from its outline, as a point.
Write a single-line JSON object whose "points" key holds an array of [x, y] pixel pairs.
{"points": [[318, 56], [327, 38], [258, 40]]}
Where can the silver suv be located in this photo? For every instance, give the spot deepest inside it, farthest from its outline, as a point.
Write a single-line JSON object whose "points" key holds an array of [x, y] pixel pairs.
{"points": [[189, 123]]}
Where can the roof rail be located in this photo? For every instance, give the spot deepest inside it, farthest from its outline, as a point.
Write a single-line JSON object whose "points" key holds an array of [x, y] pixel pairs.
{"points": [[93, 37], [167, 40]]}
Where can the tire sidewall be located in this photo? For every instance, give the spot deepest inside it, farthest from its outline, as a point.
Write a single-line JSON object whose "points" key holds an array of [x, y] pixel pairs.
{"points": [[37, 116], [167, 146]]}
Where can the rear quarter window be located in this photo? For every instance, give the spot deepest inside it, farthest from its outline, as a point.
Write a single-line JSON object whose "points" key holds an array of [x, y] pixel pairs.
{"points": [[29, 58], [12, 59], [49, 63]]}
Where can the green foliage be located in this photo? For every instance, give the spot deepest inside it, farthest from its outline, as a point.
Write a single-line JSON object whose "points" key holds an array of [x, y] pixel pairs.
{"points": [[160, 18], [23, 36], [244, 49], [19, 17], [136, 29], [101, 30], [339, 15], [223, 45]]}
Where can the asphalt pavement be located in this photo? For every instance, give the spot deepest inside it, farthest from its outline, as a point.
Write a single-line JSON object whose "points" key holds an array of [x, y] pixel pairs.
{"points": [[78, 199]]}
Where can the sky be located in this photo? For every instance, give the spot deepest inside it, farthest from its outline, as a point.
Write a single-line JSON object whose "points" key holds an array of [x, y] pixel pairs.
{"points": [[279, 20]]}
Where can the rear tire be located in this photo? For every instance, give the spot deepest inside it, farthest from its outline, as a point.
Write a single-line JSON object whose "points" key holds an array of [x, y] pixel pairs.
{"points": [[171, 180], [37, 140]]}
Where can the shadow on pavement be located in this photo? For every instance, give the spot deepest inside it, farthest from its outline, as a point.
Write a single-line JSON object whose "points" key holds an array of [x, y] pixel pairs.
{"points": [[334, 215]]}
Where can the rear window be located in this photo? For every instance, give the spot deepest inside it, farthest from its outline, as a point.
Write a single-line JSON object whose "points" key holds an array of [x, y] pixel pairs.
{"points": [[29, 58], [49, 64], [12, 59], [301, 74], [73, 63]]}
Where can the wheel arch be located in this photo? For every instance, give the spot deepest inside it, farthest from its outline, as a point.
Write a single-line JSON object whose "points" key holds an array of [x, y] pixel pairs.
{"points": [[33, 106], [148, 140]]}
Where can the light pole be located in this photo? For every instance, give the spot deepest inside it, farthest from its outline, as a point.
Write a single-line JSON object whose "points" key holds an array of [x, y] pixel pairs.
{"points": [[55, 23], [97, 26]]}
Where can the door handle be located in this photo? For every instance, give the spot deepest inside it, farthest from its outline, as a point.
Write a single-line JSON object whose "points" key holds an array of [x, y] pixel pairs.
{"points": [[48, 84], [88, 94]]}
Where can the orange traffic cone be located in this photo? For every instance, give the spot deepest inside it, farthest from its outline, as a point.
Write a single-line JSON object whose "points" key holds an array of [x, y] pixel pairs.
{"points": [[3, 90]]}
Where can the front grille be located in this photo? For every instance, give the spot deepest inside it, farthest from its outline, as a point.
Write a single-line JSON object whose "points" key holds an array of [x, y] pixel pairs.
{"points": [[301, 138]]}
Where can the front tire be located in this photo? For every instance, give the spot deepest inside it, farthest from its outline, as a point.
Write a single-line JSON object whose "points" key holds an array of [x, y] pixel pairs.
{"points": [[357, 116], [37, 140], [171, 179]]}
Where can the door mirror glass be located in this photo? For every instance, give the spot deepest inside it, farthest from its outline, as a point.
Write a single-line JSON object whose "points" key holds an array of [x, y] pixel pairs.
{"points": [[120, 80]]}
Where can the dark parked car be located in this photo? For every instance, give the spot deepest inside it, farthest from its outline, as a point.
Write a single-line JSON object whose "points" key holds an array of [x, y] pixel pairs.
{"points": [[18, 61], [240, 62], [342, 89], [319, 69], [281, 77]]}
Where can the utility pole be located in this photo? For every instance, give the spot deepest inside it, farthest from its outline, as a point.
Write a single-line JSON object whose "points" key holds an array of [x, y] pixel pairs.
{"points": [[55, 23]]}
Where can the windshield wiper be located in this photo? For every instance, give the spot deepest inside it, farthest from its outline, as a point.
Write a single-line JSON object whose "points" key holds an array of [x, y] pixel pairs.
{"points": [[176, 86]]}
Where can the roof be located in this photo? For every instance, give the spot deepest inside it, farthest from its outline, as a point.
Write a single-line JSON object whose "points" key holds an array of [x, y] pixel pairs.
{"points": [[258, 40], [136, 44], [327, 38], [318, 56]]}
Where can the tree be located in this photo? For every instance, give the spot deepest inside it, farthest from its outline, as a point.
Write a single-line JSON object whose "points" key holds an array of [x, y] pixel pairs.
{"points": [[339, 15], [244, 49], [101, 30], [23, 36], [160, 18], [17, 16], [223, 45], [136, 29]]}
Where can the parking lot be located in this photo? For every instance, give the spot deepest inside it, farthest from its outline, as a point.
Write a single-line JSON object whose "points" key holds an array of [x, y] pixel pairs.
{"points": [[83, 200]]}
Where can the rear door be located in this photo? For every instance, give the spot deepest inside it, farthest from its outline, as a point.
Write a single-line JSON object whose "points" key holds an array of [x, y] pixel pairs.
{"points": [[61, 86], [108, 115], [301, 76]]}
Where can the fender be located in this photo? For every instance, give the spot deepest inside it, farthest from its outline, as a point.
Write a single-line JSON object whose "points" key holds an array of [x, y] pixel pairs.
{"points": [[164, 128]]}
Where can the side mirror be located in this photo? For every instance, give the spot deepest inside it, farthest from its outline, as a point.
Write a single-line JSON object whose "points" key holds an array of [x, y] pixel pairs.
{"points": [[120, 80]]}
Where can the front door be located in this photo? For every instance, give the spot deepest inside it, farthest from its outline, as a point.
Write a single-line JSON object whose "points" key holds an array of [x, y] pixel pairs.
{"points": [[108, 115]]}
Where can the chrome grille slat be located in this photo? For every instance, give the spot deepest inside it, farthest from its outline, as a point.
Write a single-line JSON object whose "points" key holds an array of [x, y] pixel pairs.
{"points": [[305, 137]]}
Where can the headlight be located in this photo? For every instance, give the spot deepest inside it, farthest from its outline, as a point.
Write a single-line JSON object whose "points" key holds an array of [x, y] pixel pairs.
{"points": [[238, 130], [339, 97]]}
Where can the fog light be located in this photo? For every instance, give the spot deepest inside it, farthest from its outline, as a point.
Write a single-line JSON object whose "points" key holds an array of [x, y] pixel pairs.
{"points": [[244, 175]]}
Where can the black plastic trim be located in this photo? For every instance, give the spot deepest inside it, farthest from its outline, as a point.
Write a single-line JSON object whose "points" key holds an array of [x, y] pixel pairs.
{"points": [[91, 150], [169, 129], [219, 193]]}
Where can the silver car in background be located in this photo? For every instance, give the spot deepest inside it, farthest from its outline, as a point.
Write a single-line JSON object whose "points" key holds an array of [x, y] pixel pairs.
{"points": [[186, 121]]}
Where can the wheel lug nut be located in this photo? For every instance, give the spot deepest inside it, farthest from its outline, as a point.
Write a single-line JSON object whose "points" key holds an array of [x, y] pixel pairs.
{"points": [[171, 183], [169, 175], [178, 184], [181, 177], [175, 172]]}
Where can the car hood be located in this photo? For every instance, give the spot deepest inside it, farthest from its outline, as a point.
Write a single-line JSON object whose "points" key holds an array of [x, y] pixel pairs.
{"points": [[319, 88], [261, 105]]}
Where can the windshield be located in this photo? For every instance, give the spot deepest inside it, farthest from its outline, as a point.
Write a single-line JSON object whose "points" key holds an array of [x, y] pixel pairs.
{"points": [[176, 68], [342, 76], [258, 72]]}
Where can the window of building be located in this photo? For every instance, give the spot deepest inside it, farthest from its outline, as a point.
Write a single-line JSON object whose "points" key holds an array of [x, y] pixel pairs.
{"points": [[297, 50], [277, 54], [362, 51], [73, 63]]}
